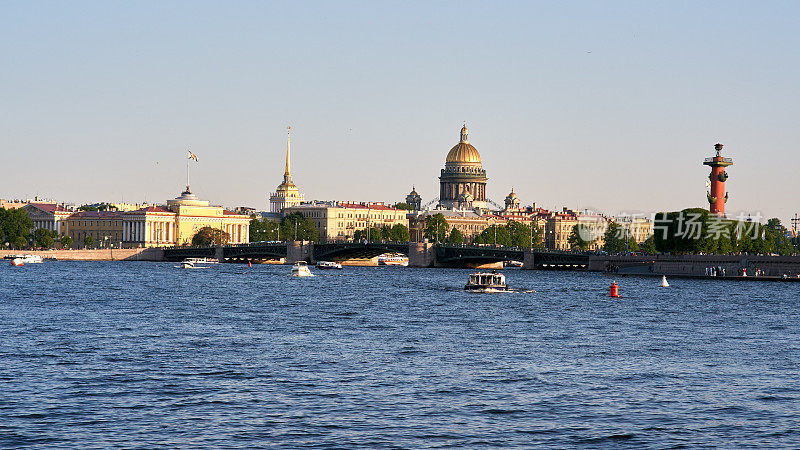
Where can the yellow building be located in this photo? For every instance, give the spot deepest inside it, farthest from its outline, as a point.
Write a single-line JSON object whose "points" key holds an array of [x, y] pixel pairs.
{"points": [[104, 227], [178, 221], [287, 194], [558, 227], [156, 226], [339, 220]]}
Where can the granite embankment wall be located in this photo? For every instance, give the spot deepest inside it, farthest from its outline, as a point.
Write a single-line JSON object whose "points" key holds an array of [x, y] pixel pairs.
{"points": [[123, 254], [696, 264]]}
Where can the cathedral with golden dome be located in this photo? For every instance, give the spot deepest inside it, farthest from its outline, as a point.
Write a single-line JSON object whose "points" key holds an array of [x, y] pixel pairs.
{"points": [[462, 183]]}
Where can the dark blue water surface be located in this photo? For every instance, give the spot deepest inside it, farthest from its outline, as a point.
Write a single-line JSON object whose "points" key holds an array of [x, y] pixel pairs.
{"points": [[138, 354]]}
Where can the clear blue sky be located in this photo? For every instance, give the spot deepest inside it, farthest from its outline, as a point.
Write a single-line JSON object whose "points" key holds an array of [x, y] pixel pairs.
{"points": [[606, 105]]}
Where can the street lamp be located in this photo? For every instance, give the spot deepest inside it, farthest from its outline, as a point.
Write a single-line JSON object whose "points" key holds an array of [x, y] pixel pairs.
{"points": [[531, 234], [109, 246], [368, 224]]}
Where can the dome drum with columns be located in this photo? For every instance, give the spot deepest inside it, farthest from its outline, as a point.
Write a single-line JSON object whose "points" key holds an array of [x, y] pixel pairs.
{"points": [[462, 183], [414, 199], [512, 201]]}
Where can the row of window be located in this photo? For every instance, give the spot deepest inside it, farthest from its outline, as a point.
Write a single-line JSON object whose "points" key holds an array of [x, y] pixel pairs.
{"points": [[319, 214], [80, 235], [90, 223]]}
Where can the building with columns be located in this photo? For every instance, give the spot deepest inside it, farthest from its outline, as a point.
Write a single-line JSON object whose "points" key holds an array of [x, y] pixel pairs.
{"points": [[414, 200], [178, 221], [153, 226], [287, 194], [157, 226], [50, 216], [462, 183]]}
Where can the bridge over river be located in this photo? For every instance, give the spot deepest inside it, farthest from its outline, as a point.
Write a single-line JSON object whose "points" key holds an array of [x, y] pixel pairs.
{"points": [[421, 254]]}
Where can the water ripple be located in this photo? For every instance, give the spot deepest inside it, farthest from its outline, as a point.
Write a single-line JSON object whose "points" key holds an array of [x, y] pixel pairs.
{"points": [[144, 355]]}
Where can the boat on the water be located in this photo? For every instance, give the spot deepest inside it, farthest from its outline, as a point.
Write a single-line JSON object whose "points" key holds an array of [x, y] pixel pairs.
{"points": [[393, 261], [664, 281], [328, 265], [300, 269], [25, 259], [512, 263], [202, 260], [486, 282], [196, 263]]}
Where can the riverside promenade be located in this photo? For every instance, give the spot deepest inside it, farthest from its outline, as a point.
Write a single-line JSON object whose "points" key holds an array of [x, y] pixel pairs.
{"points": [[696, 266], [121, 254]]}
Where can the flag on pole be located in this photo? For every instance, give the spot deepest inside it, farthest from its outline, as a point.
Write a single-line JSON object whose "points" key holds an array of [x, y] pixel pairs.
{"points": [[192, 155]]}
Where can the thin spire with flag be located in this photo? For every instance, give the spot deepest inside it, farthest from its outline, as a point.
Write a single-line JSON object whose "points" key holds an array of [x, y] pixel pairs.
{"points": [[190, 157]]}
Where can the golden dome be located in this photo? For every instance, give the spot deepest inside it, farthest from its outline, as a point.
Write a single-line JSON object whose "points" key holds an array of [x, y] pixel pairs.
{"points": [[512, 195], [464, 152]]}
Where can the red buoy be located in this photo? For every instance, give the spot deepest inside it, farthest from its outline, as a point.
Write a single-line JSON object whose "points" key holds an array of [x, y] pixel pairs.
{"points": [[249, 264], [614, 290]]}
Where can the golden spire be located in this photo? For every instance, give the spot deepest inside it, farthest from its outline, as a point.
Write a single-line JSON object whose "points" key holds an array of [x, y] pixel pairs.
{"points": [[287, 176]]}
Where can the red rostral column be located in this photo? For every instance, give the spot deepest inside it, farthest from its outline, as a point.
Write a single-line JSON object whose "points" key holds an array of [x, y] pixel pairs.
{"points": [[717, 196]]}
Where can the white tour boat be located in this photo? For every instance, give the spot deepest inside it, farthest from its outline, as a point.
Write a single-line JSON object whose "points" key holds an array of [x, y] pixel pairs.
{"points": [[300, 269], [18, 260], [328, 265], [393, 261], [486, 282]]}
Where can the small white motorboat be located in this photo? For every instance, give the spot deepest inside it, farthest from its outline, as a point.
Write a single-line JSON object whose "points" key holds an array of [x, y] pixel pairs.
{"points": [[25, 259], [486, 282], [664, 281], [300, 269], [328, 265], [190, 263]]}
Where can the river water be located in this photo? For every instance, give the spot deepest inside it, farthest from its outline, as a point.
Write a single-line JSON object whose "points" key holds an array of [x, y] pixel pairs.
{"points": [[137, 354]]}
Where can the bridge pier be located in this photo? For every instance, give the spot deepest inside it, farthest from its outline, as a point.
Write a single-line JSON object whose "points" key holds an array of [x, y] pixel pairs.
{"points": [[528, 260], [300, 251], [421, 254], [219, 253]]}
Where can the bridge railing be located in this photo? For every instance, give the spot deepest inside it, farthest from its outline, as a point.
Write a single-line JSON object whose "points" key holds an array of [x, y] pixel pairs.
{"points": [[364, 242], [509, 248]]}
